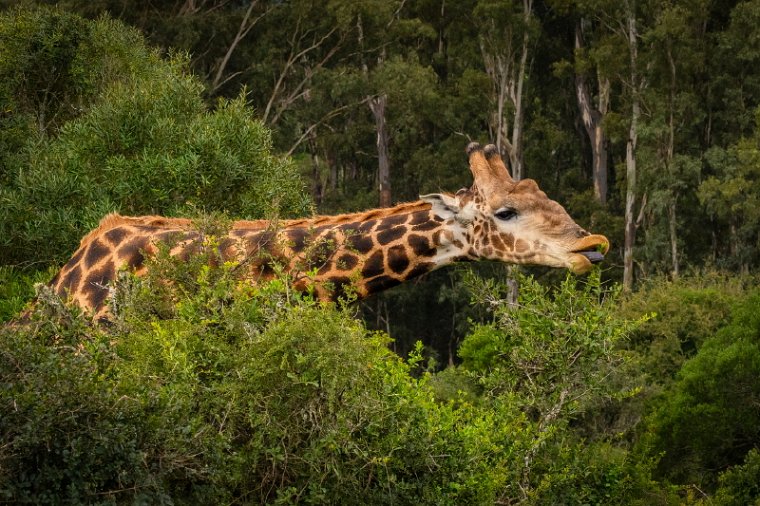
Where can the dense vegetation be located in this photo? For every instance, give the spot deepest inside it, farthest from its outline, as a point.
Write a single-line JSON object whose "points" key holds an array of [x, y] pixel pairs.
{"points": [[640, 117]]}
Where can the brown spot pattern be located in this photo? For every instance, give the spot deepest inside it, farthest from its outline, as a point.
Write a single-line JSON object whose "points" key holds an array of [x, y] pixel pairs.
{"points": [[397, 259]]}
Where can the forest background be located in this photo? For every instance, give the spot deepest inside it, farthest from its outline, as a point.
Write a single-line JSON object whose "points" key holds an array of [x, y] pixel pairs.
{"points": [[639, 117]]}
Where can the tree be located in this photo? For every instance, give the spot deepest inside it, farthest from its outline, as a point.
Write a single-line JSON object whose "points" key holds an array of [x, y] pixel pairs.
{"points": [[53, 66], [505, 46], [148, 144], [732, 197], [593, 112], [543, 362], [672, 126]]}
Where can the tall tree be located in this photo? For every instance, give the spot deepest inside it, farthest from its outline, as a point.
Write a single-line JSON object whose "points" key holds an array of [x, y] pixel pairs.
{"points": [[593, 109], [505, 45], [673, 140], [630, 149], [377, 105]]}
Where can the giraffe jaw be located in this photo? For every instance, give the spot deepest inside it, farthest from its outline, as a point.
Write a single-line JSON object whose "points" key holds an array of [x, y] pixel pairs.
{"points": [[588, 251]]}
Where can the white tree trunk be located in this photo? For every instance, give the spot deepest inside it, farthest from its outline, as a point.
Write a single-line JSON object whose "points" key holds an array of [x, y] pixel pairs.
{"points": [[377, 105], [630, 155], [672, 217], [507, 66]]}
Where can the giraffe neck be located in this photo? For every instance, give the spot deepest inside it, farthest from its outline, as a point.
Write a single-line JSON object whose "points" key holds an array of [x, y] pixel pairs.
{"points": [[363, 253]]}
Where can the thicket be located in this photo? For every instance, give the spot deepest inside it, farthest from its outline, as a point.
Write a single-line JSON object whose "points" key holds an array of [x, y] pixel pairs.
{"points": [[719, 387], [140, 140], [695, 363], [207, 389]]}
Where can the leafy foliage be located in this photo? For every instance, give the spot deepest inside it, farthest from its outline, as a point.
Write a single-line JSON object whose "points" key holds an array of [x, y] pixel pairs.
{"points": [[17, 289], [148, 145], [685, 313], [718, 387], [739, 485], [210, 390], [53, 64], [544, 363]]}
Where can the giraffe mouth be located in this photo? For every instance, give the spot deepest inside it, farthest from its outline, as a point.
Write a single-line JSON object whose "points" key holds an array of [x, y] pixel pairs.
{"points": [[590, 250]]}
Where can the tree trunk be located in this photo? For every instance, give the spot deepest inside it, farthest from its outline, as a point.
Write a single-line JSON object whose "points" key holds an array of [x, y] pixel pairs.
{"points": [[317, 188], [377, 105], [673, 235], [332, 164], [592, 121], [516, 151], [672, 221], [630, 155], [508, 74]]}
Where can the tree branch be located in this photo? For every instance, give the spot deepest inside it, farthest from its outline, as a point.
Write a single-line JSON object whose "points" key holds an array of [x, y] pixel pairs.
{"points": [[324, 118], [243, 30]]}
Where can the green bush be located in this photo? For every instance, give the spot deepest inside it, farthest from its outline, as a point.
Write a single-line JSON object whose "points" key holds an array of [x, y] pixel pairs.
{"points": [[53, 66], [684, 312], [545, 365], [550, 345], [17, 289], [740, 485], [146, 144], [205, 390], [710, 419], [599, 473]]}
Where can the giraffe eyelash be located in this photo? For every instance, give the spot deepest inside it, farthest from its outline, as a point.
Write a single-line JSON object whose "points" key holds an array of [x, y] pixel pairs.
{"points": [[506, 214]]}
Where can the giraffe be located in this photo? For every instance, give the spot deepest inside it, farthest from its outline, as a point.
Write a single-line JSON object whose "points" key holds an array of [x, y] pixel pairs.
{"points": [[496, 219]]}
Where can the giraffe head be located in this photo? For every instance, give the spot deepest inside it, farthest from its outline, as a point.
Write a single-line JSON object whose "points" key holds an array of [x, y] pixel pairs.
{"points": [[513, 221]]}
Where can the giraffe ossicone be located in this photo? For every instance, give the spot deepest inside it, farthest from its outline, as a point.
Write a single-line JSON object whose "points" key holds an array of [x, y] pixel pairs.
{"points": [[362, 253]]}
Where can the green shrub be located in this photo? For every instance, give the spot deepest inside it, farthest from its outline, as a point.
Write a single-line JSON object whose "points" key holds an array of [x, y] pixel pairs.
{"points": [[17, 289], [146, 144], [740, 485], [53, 65], [599, 473], [710, 418], [543, 365], [685, 313], [207, 390], [550, 345]]}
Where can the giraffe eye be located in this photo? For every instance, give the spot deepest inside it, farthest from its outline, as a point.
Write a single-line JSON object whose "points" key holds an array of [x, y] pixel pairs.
{"points": [[506, 214]]}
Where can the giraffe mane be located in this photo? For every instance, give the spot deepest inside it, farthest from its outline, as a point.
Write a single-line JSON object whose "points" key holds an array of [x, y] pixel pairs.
{"points": [[340, 219], [114, 220]]}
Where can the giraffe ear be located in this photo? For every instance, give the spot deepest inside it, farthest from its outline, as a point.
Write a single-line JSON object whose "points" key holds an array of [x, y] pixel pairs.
{"points": [[444, 205]]}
